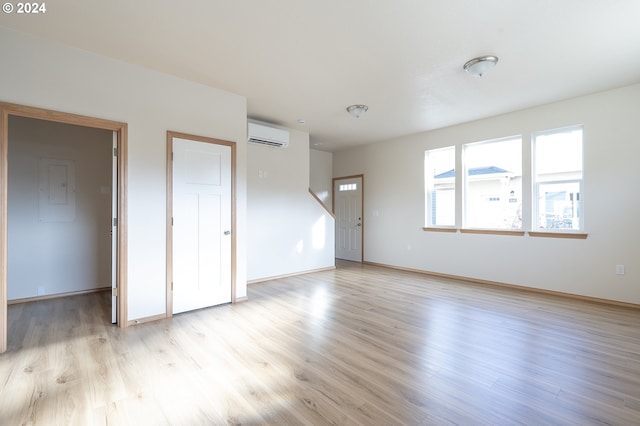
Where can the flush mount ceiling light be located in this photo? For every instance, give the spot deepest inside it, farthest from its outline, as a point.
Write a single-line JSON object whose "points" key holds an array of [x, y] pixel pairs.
{"points": [[477, 67], [357, 110]]}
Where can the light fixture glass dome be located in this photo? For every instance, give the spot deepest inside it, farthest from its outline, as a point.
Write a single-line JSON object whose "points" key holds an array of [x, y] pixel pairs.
{"points": [[357, 110], [479, 66]]}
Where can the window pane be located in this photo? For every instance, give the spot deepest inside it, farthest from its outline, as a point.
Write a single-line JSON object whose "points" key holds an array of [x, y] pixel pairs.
{"points": [[493, 184], [348, 187], [440, 181], [558, 178], [558, 155], [559, 205]]}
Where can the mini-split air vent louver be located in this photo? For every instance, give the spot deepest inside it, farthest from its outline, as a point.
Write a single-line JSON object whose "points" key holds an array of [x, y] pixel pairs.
{"points": [[266, 135]]}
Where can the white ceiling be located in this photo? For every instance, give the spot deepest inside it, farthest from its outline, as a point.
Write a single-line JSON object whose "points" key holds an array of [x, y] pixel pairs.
{"points": [[304, 59]]}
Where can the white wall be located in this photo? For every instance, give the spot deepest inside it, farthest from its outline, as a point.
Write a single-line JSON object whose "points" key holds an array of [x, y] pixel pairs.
{"points": [[49, 75], [50, 257], [395, 190], [289, 231], [321, 175]]}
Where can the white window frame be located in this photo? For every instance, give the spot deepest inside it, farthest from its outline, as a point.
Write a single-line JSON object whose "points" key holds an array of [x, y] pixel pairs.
{"points": [[465, 179], [535, 210], [429, 182]]}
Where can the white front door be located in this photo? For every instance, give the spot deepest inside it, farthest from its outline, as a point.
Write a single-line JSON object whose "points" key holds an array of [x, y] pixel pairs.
{"points": [[201, 224], [348, 211]]}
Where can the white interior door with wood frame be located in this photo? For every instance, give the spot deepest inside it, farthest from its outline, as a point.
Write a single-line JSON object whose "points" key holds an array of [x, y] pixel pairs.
{"points": [[201, 231], [349, 224], [114, 231]]}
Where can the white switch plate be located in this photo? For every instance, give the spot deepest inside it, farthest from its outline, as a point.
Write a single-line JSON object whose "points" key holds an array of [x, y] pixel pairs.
{"points": [[619, 269]]}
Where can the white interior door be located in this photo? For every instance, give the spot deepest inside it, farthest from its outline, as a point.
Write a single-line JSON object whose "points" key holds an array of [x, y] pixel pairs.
{"points": [[114, 231], [348, 211], [201, 224]]}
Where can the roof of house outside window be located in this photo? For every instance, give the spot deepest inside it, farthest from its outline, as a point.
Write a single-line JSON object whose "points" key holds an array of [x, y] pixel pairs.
{"points": [[475, 171]]}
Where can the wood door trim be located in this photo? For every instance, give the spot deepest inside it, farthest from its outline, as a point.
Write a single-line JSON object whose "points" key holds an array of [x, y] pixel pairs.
{"points": [[333, 203], [8, 109], [169, 253]]}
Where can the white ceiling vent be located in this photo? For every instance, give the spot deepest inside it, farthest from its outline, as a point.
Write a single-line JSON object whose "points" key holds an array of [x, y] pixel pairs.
{"points": [[266, 135]]}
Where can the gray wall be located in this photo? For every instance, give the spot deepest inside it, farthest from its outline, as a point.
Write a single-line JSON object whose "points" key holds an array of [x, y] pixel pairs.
{"points": [[63, 254], [289, 231], [321, 174]]}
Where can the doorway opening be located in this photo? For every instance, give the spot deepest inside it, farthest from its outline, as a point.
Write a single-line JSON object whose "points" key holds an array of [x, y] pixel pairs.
{"points": [[62, 205]]}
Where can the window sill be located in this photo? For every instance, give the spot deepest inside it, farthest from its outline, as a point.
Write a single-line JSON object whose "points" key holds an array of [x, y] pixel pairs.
{"points": [[569, 235], [574, 235], [492, 232], [452, 230]]}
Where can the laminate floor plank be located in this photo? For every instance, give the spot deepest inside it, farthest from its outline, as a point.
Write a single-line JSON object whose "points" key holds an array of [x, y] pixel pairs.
{"points": [[359, 345]]}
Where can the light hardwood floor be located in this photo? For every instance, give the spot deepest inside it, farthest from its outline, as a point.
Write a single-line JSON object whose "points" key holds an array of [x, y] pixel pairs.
{"points": [[358, 345]]}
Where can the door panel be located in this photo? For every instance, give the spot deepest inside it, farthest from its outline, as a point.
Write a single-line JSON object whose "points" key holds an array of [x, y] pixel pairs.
{"points": [[114, 231], [349, 223], [201, 224], [185, 239], [210, 230]]}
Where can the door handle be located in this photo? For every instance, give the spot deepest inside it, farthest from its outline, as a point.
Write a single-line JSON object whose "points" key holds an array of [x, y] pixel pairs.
{"points": [[227, 232]]}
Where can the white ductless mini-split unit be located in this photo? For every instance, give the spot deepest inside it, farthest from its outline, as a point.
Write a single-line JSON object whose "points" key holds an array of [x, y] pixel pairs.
{"points": [[266, 135]]}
